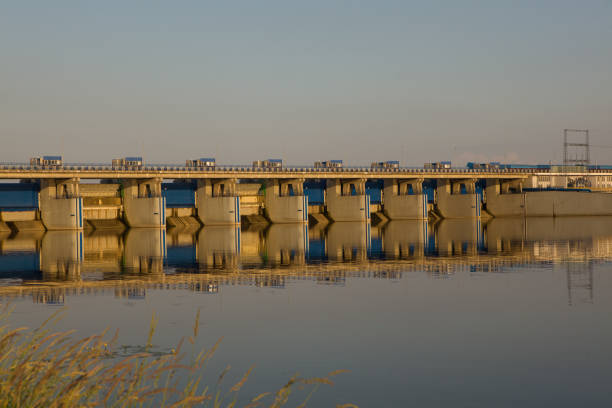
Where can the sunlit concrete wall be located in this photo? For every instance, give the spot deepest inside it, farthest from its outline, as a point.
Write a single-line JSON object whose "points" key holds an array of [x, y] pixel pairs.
{"points": [[29, 215], [61, 206], [452, 204], [341, 205], [62, 213], [101, 201], [282, 207], [399, 205], [217, 202], [501, 203], [143, 203]]}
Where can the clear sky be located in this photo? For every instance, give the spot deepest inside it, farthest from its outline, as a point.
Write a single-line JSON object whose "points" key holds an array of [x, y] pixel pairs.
{"points": [[304, 81]]}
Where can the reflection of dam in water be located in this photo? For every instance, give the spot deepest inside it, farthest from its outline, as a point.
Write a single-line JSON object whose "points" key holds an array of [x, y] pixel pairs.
{"points": [[268, 255]]}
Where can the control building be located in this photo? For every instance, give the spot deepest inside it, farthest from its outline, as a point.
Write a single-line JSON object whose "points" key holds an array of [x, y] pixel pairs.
{"points": [[389, 164], [128, 162], [328, 164], [270, 163], [47, 161], [202, 162], [438, 165]]}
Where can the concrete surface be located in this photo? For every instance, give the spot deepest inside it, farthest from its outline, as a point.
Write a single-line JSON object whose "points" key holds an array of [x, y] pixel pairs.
{"points": [[404, 199], [143, 204], [217, 202], [342, 206], [452, 204], [285, 202]]}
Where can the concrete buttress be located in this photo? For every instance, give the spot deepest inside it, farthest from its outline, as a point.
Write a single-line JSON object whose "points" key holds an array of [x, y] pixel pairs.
{"points": [[404, 199], [505, 198], [285, 202], [143, 203], [217, 202], [61, 205], [458, 198], [346, 200]]}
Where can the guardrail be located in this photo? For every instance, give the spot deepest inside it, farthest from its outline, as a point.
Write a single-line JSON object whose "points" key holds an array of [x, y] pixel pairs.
{"points": [[88, 167], [295, 169]]}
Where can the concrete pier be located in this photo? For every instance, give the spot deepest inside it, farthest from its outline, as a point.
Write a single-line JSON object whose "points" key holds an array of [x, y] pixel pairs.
{"points": [[404, 199], [143, 204], [346, 200], [505, 198], [217, 202], [61, 206], [285, 202], [457, 198]]}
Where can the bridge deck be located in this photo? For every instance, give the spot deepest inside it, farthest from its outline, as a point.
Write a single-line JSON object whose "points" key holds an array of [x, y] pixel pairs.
{"points": [[178, 172]]}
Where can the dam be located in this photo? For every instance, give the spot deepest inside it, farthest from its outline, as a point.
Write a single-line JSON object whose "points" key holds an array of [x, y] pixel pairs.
{"points": [[49, 195]]}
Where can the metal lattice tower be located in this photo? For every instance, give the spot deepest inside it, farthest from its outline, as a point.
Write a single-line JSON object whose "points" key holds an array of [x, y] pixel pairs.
{"points": [[576, 153]]}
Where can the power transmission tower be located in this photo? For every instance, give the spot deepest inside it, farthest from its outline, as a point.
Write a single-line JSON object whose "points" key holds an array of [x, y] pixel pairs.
{"points": [[576, 153]]}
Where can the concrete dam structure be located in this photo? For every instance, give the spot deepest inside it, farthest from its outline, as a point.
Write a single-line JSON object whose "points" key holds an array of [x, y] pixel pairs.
{"points": [[74, 197]]}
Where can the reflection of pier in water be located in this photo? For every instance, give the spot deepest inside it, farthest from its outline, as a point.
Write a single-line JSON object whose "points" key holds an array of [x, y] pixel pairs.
{"points": [[145, 250], [272, 256], [348, 241], [61, 255]]}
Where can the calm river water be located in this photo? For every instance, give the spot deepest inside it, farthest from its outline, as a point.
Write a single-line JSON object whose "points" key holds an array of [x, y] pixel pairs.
{"points": [[509, 313]]}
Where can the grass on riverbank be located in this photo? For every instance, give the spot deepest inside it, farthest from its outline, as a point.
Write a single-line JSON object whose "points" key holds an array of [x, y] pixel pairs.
{"points": [[43, 368]]}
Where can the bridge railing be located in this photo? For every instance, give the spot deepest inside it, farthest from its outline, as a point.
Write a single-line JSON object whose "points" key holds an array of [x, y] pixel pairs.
{"points": [[175, 168], [101, 167]]}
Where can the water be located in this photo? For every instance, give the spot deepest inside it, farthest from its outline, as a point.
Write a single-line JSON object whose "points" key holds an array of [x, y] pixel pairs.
{"points": [[511, 313]]}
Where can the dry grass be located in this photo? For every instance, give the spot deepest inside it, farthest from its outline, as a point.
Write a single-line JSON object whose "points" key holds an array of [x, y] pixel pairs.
{"points": [[43, 368]]}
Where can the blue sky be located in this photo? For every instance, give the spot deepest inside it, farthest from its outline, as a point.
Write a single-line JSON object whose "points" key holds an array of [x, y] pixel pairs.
{"points": [[304, 81]]}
